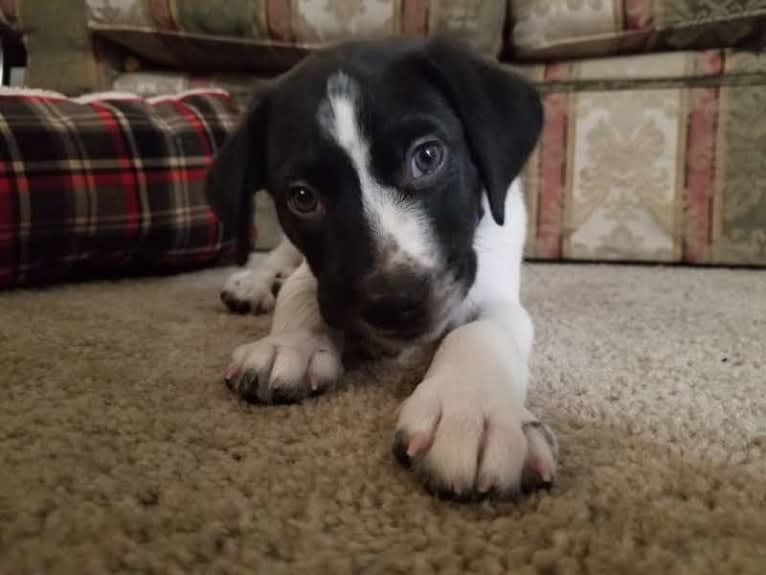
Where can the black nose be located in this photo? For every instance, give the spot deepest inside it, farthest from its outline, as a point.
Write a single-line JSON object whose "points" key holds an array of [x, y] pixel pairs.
{"points": [[396, 303], [392, 311]]}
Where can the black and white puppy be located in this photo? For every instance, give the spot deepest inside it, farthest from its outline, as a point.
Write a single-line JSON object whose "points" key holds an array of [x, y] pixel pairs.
{"points": [[393, 165]]}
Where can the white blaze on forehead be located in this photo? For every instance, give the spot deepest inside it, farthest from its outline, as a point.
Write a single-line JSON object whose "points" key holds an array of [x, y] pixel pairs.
{"points": [[391, 219]]}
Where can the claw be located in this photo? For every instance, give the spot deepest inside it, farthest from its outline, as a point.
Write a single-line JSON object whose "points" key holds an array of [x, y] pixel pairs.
{"points": [[231, 374], [540, 465], [418, 444]]}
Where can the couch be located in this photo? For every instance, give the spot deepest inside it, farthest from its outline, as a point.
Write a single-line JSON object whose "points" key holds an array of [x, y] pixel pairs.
{"points": [[654, 145]]}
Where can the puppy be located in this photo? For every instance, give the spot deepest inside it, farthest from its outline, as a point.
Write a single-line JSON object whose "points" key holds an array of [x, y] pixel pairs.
{"points": [[393, 166]]}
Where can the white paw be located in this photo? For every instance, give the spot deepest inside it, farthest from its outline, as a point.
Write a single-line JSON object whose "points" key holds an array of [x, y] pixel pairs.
{"points": [[284, 368], [465, 440], [248, 291]]}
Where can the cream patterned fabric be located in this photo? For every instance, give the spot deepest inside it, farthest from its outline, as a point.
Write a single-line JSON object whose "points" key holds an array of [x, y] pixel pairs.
{"points": [[567, 28], [665, 168]]}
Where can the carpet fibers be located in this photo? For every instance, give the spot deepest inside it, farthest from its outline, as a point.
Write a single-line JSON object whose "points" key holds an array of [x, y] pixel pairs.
{"points": [[122, 452]]}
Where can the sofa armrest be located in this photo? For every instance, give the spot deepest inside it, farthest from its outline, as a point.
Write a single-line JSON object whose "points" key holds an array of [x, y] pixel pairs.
{"points": [[61, 55]]}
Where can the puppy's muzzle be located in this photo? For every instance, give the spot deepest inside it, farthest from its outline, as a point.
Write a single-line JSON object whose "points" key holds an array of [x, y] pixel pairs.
{"points": [[397, 304]]}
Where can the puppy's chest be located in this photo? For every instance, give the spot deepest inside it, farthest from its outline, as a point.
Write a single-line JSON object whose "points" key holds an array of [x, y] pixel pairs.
{"points": [[401, 356], [362, 344]]}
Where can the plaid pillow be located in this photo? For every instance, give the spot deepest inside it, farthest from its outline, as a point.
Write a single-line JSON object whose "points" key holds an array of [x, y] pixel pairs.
{"points": [[107, 184]]}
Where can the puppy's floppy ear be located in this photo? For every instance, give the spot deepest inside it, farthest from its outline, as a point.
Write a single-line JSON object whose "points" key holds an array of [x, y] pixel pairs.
{"points": [[502, 114], [237, 172]]}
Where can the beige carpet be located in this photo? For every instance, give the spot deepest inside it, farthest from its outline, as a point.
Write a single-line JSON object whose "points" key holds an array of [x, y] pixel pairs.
{"points": [[121, 451]]}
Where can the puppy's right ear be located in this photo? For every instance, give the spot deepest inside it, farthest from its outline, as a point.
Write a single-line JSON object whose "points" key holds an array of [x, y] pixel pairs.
{"points": [[236, 174]]}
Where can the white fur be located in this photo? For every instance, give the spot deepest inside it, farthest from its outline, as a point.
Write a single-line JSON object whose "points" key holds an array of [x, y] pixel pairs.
{"points": [[254, 284], [474, 392], [390, 217], [300, 352], [469, 410], [466, 424]]}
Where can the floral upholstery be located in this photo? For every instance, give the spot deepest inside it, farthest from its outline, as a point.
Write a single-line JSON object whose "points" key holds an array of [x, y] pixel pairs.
{"points": [[651, 158], [577, 28]]}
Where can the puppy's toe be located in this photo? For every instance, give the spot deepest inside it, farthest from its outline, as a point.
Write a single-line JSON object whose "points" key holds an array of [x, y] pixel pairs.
{"points": [[248, 292], [284, 369], [449, 467], [233, 304], [288, 376], [417, 420], [502, 459], [323, 370], [249, 374]]}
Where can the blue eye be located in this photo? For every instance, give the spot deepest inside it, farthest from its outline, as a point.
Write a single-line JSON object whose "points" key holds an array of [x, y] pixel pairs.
{"points": [[426, 159]]}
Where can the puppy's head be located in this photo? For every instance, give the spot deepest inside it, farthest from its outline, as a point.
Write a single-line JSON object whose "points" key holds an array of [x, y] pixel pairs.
{"points": [[380, 157]]}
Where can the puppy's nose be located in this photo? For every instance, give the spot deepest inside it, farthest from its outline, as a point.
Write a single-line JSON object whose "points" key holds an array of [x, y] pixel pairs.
{"points": [[391, 309], [396, 302]]}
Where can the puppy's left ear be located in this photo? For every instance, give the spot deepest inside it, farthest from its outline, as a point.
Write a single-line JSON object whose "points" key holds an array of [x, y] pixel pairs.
{"points": [[237, 173], [502, 114]]}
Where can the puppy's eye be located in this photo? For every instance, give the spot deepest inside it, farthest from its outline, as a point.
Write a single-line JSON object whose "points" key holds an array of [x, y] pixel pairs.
{"points": [[426, 158], [303, 201]]}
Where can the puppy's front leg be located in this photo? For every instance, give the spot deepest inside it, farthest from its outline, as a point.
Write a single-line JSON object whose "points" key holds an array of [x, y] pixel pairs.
{"points": [[252, 289], [465, 429], [300, 357]]}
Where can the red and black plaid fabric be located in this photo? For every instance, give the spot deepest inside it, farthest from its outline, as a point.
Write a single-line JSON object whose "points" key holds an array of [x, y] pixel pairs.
{"points": [[107, 184]]}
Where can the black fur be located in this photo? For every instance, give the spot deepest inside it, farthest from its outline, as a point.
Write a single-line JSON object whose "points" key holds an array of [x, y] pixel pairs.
{"points": [[237, 173]]}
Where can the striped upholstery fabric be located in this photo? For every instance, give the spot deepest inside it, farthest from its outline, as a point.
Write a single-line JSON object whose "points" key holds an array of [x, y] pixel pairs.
{"points": [[544, 29], [654, 158]]}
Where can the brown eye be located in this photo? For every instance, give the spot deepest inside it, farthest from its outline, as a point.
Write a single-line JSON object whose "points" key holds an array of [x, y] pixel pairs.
{"points": [[303, 201], [426, 158]]}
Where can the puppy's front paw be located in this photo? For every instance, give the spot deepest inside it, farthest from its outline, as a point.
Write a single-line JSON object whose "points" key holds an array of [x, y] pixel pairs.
{"points": [[247, 291], [466, 442], [284, 368]]}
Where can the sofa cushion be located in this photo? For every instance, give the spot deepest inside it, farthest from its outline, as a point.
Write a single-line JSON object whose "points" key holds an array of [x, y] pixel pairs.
{"points": [[269, 35], [651, 158], [107, 184], [61, 55], [579, 28]]}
